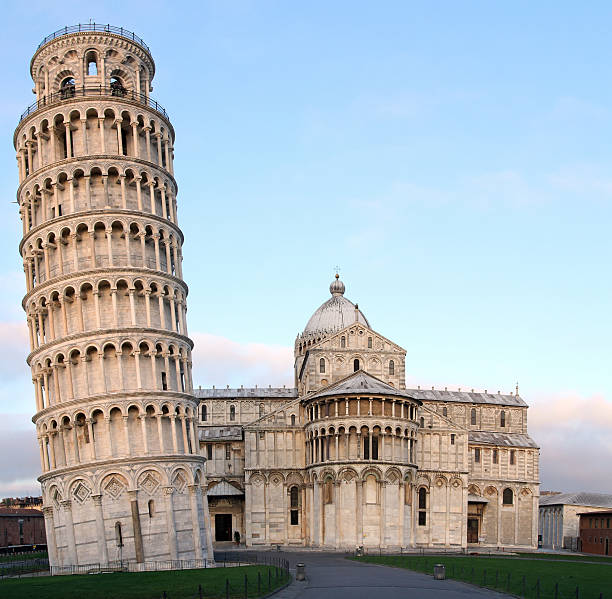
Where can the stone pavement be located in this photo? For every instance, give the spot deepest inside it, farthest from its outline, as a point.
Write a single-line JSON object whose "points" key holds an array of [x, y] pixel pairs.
{"points": [[331, 576]]}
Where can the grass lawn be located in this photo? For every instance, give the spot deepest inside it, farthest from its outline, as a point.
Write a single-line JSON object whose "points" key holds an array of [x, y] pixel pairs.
{"points": [[23, 557], [178, 584], [564, 556], [506, 574]]}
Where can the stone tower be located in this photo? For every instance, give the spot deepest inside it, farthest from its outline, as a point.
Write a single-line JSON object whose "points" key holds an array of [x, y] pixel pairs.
{"points": [[122, 476]]}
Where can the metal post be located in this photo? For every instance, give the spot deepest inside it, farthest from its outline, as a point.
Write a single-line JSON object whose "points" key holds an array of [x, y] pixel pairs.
{"points": [[258, 583], [227, 588], [523, 585], [200, 591], [246, 587]]}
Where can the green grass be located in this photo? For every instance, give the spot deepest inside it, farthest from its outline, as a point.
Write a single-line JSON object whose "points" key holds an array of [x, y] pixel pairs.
{"points": [[569, 557], [178, 584], [23, 557], [493, 572]]}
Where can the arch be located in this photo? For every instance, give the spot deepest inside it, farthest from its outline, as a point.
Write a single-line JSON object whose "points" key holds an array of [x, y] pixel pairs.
{"points": [[508, 496]]}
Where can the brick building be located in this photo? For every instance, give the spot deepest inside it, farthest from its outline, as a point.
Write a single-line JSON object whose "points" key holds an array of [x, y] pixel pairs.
{"points": [[21, 526], [596, 532]]}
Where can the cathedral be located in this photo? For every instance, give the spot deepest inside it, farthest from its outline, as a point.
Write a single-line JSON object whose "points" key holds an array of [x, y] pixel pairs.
{"points": [[349, 457]]}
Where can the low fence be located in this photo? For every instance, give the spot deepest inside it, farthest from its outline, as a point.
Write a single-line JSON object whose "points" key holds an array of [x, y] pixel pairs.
{"points": [[18, 568]]}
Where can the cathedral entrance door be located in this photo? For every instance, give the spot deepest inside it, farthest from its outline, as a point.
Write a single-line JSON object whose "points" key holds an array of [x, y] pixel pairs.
{"points": [[472, 530], [223, 527]]}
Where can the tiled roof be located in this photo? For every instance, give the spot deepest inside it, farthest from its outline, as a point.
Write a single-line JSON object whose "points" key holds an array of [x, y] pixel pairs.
{"points": [[223, 489], [8, 511], [464, 397], [222, 433], [503, 439], [248, 393], [580, 498]]}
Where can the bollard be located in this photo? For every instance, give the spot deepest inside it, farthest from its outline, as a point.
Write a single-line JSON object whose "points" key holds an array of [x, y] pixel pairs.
{"points": [[227, 588], [246, 587], [439, 571], [200, 595], [300, 572]]}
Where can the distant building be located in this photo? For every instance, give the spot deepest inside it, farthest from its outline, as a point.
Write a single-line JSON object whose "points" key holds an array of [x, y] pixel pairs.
{"points": [[21, 526], [22, 502], [559, 516], [596, 532]]}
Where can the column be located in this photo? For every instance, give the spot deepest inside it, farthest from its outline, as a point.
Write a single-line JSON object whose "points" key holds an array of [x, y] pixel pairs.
{"points": [[101, 128], [359, 510], [68, 140], [84, 134], [401, 503], [383, 512], [134, 125], [100, 533], [143, 427], [171, 526], [160, 433], [69, 529], [173, 427], [147, 131], [123, 199], [50, 532], [92, 440], [195, 521], [138, 546], [119, 138], [184, 431]]}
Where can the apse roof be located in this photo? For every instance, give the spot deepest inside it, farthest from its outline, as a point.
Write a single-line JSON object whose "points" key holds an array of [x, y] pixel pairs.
{"points": [[361, 382]]}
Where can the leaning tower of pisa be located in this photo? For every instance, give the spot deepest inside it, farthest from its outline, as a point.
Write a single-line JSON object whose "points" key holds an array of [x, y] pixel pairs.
{"points": [[122, 476]]}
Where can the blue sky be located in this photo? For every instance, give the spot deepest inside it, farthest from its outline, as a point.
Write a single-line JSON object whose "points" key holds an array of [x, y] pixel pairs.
{"points": [[454, 159]]}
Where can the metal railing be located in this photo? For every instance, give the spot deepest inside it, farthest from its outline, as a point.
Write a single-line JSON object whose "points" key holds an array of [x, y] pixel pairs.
{"points": [[95, 27], [75, 91]]}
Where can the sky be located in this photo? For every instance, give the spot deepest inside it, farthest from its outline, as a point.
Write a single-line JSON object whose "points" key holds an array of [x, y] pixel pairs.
{"points": [[454, 159]]}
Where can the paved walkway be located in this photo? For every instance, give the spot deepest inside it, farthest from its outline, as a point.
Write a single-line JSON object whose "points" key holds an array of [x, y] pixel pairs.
{"points": [[330, 576]]}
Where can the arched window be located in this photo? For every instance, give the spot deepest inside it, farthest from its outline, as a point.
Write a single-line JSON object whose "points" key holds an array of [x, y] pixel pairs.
{"points": [[232, 413], [322, 365], [292, 419], [508, 497], [261, 410], [422, 422], [502, 419], [151, 506], [118, 534], [117, 87], [422, 506], [495, 456], [356, 365], [444, 411], [67, 88], [473, 416], [204, 413], [391, 367], [91, 60], [369, 342], [342, 341]]}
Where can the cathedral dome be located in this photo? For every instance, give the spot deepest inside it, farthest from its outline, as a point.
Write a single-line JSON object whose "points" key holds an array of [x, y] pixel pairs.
{"points": [[336, 313]]}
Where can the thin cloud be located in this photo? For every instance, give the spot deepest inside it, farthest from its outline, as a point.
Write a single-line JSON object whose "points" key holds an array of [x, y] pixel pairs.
{"points": [[221, 361]]}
